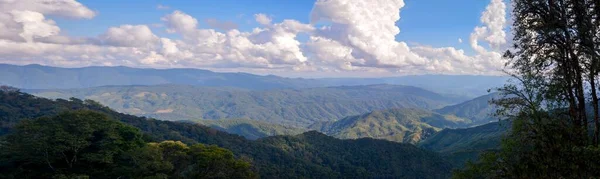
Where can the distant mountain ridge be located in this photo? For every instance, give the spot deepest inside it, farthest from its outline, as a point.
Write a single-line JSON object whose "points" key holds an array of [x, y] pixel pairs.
{"points": [[300, 107], [250, 129], [46, 77], [408, 125], [479, 110]]}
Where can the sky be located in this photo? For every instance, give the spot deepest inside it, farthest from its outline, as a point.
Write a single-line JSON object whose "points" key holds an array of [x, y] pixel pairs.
{"points": [[300, 38]]}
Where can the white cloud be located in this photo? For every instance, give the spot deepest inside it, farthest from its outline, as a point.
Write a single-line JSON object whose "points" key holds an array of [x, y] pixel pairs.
{"points": [[130, 36], [460, 40], [180, 22], [65, 8], [269, 47], [33, 25], [372, 41], [262, 19], [359, 37], [494, 20], [354, 40]]}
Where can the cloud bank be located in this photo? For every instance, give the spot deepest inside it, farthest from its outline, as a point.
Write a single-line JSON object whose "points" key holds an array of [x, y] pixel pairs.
{"points": [[358, 38]]}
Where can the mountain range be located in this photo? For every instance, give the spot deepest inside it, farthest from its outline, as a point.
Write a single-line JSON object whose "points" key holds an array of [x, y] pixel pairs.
{"points": [[272, 115], [307, 155], [295, 107], [46, 77], [410, 124]]}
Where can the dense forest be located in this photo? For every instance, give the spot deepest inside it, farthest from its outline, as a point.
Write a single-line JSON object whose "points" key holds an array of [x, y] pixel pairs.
{"points": [[272, 157]]}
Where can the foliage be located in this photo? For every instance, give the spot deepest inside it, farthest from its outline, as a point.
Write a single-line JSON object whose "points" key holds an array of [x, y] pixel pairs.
{"points": [[80, 143], [83, 144], [177, 160]]}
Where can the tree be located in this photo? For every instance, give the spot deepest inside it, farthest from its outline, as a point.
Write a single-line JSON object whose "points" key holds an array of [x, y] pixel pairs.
{"points": [[555, 65]]}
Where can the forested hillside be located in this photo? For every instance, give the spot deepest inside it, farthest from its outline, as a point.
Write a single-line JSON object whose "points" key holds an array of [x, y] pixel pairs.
{"points": [[478, 110], [325, 158], [408, 125], [299, 107], [250, 129], [461, 145]]}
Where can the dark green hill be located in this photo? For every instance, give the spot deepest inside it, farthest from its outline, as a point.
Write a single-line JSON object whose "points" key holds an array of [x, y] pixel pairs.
{"points": [[401, 125], [460, 145], [284, 106], [250, 129], [478, 110], [323, 157], [363, 158]]}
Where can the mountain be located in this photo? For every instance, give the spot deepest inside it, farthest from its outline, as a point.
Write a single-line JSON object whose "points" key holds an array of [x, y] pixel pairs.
{"points": [[298, 107], [461, 145], [478, 110], [309, 155], [46, 77], [408, 125], [250, 129]]}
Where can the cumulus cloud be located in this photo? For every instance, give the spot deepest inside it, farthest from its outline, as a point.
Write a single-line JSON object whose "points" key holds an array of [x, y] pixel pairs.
{"points": [[368, 28], [362, 35], [358, 37], [494, 20], [33, 25], [262, 19], [180, 22], [269, 47], [130, 36], [65, 8]]}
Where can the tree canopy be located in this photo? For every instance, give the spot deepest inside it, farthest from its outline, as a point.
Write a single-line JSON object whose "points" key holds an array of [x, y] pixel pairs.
{"points": [[89, 144]]}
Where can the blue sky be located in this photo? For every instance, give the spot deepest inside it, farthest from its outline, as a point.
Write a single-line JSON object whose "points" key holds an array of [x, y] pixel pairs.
{"points": [[352, 38], [437, 23]]}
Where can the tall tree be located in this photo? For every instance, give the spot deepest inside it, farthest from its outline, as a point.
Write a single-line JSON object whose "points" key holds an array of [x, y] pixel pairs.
{"points": [[555, 65]]}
